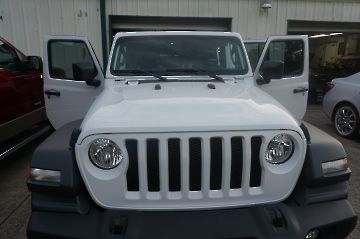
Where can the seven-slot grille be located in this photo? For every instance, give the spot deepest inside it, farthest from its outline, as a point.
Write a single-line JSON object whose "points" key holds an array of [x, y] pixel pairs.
{"points": [[193, 164], [191, 170]]}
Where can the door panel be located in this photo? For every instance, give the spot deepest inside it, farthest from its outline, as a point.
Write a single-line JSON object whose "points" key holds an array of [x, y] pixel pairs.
{"points": [[15, 97], [292, 89], [66, 99], [35, 81]]}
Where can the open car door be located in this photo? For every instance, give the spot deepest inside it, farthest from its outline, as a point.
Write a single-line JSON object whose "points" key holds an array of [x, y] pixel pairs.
{"points": [[68, 92], [283, 72]]}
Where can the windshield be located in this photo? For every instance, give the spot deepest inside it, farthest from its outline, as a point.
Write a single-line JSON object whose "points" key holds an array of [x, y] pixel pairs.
{"points": [[173, 54]]}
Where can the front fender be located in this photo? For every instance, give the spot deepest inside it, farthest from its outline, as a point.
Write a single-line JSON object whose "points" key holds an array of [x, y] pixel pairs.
{"points": [[313, 186], [55, 153]]}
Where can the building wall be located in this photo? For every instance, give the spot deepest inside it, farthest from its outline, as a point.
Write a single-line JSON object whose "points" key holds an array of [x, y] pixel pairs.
{"points": [[24, 22], [248, 18]]}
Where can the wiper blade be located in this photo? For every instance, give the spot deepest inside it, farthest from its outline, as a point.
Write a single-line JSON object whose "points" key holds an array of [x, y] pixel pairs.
{"points": [[197, 72], [138, 71], [216, 77]]}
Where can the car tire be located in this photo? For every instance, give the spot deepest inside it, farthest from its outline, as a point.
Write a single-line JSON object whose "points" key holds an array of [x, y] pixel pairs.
{"points": [[346, 121]]}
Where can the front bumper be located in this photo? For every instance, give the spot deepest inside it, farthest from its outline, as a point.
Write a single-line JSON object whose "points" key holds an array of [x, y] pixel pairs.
{"points": [[334, 219]]}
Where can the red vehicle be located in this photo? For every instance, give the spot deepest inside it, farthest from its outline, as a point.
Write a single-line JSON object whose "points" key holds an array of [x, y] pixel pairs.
{"points": [[21, 97]]}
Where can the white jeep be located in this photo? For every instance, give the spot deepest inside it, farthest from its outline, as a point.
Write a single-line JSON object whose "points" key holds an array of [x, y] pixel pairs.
{"points": [[180, 138]]}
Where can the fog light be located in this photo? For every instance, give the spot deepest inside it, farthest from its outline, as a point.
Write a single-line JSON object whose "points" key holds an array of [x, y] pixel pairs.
{"points": [[335, 167], [44, 175], [312, 234]]}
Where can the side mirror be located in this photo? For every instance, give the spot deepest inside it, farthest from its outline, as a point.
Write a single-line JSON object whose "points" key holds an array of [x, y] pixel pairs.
{"points": [[271, 70], [34, 63], [87, 72]]}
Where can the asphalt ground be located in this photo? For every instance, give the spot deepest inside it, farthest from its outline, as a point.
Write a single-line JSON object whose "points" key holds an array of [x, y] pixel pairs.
{"points": [[15, 198]]}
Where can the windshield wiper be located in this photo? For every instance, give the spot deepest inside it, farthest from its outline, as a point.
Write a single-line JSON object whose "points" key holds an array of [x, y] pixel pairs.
{"points": [[138, 71], [196, 72]]}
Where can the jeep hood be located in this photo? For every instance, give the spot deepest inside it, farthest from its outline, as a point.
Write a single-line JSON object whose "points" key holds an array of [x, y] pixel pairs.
{"points": [[185, 107]]}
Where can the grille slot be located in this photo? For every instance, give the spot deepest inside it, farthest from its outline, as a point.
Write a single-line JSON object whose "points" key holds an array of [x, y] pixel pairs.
{"points": [[152, 154], [255, 173], [216, 152], [236, 162], [195, 156], [174, 165], [132, 175]]}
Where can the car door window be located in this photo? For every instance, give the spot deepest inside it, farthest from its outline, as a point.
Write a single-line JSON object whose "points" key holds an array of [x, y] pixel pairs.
{"points": [[63, 55], [291, 53], [8, 57], [254, 51]]}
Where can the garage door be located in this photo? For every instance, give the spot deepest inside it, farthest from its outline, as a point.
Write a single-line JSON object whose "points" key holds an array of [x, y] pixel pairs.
{"points": [[308, 27], [138, 23], [334, 49]]}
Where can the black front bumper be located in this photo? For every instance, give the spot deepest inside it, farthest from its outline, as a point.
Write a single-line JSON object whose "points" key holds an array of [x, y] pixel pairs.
{"points": [[335, 219]]}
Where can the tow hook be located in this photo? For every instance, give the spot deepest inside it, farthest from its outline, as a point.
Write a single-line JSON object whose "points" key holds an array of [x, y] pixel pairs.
{"points": [[117, 227], [277, 219]]}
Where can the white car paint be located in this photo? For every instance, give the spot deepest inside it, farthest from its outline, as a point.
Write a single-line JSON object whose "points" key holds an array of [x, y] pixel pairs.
{"points": [[237, 107], [345, 90], [76, 96], [179, 107], [108, 188], [283, 89]]}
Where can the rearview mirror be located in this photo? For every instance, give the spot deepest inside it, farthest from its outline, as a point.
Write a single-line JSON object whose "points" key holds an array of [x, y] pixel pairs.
{"points": [[271, 70], [34, 63], [87, 72]]}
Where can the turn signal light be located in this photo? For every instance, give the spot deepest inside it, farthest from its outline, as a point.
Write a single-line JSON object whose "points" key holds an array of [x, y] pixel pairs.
{"points": [[313, 234], [335, 167], [44, 175]]}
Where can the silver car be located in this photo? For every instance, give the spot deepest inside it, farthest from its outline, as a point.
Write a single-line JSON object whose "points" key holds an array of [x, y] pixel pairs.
{"points": [[342, 105]]}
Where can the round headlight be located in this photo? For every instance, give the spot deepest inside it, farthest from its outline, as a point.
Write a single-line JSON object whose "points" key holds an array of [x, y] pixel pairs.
{"points": [[105, 154], [280, 149]]}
